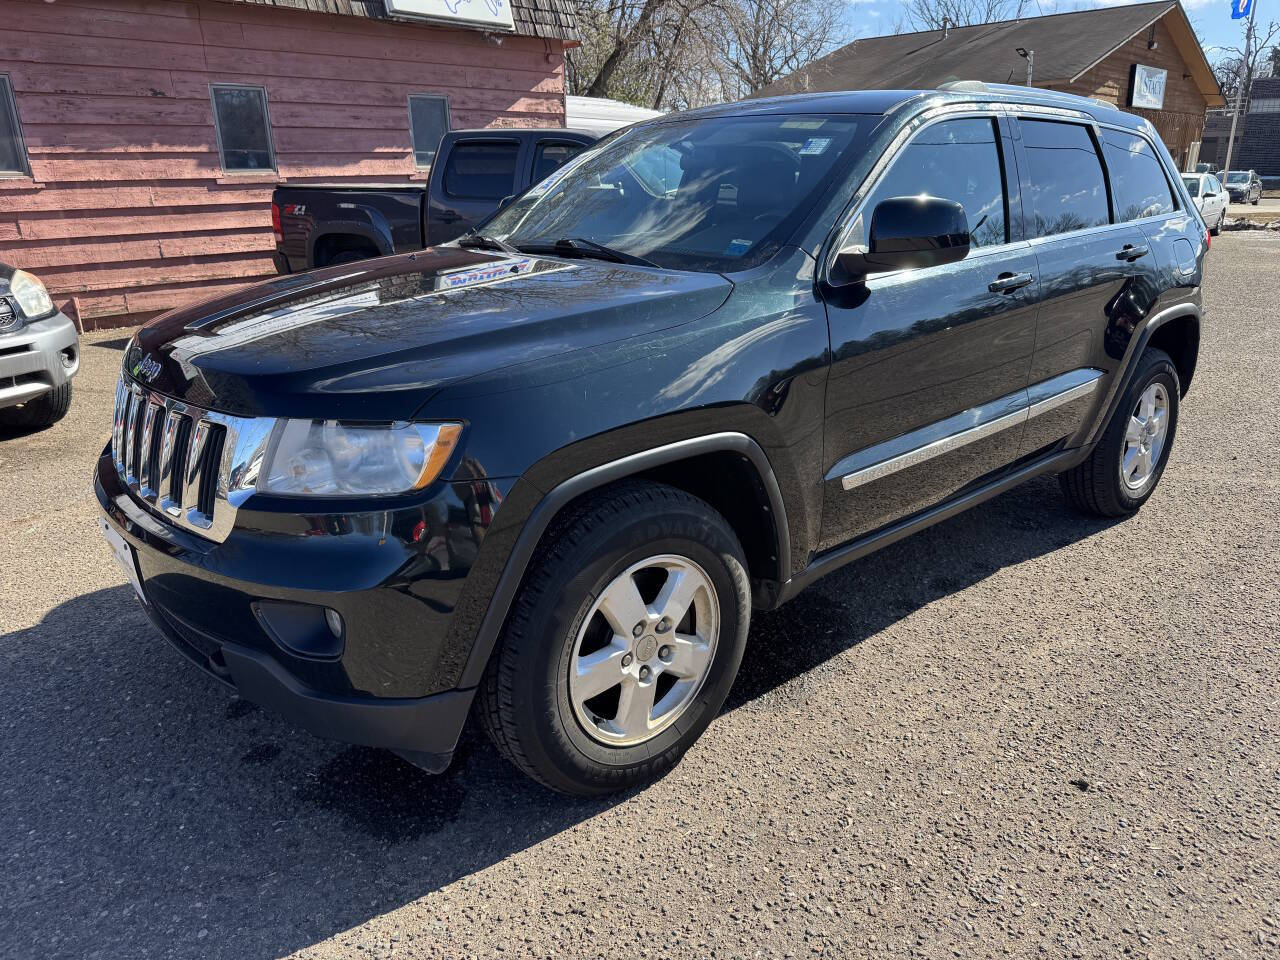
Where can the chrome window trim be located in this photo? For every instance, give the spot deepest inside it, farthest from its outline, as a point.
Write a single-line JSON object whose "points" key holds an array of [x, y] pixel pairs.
{"points": [[1073, 388], [890, 155]]}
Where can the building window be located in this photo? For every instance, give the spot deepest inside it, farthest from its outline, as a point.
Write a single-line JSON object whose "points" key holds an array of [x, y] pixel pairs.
{"points": [[428, 122], [244, 128], [1264, 105], [13, 152]]}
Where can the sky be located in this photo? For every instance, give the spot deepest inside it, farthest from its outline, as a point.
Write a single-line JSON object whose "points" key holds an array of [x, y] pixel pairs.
{"points": [[1211, 18]]}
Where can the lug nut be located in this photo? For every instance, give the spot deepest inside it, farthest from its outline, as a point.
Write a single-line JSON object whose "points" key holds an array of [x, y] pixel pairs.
{"points": [[626, 660], [664, 625], [637, 629], [664, 653], [645, 673]]}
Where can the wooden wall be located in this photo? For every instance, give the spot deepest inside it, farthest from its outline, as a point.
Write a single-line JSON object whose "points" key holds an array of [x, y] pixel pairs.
{"points": [[128, 212], [1182, 119]]}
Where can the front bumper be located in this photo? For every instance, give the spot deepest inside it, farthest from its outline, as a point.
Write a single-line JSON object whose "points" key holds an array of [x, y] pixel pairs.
{"points": [[394, 577], [31, 359]]}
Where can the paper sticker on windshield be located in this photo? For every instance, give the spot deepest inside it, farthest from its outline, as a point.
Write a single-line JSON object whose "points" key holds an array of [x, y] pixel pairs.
{"points": [[803, 124], [814, 146], [737, 248]]}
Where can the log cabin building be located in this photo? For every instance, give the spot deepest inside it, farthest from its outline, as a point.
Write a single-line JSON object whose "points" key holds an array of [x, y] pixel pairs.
{"points": [[1144, 58], [140, 140]]}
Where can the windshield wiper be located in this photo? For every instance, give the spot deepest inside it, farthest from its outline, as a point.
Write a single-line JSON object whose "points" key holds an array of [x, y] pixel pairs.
{"points": [[483, 242], [585, 247]]}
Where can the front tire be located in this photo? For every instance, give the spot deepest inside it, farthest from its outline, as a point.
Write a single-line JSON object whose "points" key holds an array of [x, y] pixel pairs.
{"points": [[622, 643], [1121, 473], [39, 412]]}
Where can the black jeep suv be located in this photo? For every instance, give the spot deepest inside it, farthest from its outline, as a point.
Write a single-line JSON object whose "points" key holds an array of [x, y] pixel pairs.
{"points": [[545, 473]]}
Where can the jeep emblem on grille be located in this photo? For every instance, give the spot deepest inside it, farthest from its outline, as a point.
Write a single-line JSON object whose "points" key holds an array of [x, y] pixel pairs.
{"points": [[148, 368]]}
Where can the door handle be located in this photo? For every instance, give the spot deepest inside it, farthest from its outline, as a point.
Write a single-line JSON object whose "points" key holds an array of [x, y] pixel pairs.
{"points": [[1009, 282], [1131, 252], [450, 216]]}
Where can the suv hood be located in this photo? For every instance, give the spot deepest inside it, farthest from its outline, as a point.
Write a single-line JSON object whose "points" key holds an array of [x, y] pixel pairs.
{"points": [[374, 340]]}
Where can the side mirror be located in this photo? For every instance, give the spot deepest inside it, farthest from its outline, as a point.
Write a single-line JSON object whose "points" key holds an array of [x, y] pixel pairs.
{"points": [[1210, 196], [907, 233], [505, 200]]}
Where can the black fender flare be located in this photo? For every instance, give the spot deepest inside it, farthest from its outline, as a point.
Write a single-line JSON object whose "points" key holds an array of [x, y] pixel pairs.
{"points": [[495, 616], [1121, 383]]}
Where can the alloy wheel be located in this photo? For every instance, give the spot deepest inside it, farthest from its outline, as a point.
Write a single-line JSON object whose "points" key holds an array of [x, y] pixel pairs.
{"points": [[1145, 437], [644, 650]]}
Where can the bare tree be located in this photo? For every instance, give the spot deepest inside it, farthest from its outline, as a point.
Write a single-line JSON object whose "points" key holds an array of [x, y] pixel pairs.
{"points": [[1234, 73], [933, 14], [761, 41]]}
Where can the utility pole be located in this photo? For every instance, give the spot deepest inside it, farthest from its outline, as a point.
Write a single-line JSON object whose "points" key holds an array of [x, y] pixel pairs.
{"points": [[1242, 92]]}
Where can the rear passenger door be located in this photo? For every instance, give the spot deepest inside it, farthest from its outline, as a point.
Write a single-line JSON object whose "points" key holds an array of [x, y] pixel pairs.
{"points": [[477, 173], [929, 367], [1097, 268]]}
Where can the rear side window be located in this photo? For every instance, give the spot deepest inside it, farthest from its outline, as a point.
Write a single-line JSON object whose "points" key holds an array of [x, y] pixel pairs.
{"points": [[481, 169], [428, 122], [13, 154], [1138, 182], [244, 129], [1067, 191], [549, 156], [956, 160]]}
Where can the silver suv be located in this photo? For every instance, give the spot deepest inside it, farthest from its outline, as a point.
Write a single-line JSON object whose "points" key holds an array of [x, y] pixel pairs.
{"points": [[39, 353]]}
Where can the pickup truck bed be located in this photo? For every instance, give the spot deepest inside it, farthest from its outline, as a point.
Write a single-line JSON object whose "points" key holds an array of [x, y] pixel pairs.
{"points": [[322, 224]]}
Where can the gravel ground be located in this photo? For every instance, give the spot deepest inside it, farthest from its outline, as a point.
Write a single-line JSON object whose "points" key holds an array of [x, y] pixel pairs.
{"points": [[1020, 733]]}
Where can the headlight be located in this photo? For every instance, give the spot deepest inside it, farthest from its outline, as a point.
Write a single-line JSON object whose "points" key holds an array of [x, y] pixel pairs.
{"points": [[31, 295], [326, 458]]}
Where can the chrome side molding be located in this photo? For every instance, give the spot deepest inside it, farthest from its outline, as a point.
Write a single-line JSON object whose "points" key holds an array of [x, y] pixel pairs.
{"points": [[965, 428]]}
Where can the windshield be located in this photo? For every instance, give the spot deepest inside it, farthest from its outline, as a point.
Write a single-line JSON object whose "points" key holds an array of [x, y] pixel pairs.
{"points": [[1193, 185], [1237, 176], [713, 194]]}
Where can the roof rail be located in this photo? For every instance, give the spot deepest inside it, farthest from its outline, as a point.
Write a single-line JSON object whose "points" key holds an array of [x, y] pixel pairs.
{"points": [[981, 86]]}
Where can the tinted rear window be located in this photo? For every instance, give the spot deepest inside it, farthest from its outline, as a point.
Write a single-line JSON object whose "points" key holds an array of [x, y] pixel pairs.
{"points": [[481, 169], [1138, 183], [1193, 185], [1068, 191]]}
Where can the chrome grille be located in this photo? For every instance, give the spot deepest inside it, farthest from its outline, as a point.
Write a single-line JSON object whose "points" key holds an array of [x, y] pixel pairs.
{"points": [[8, 317], [192, 466]]}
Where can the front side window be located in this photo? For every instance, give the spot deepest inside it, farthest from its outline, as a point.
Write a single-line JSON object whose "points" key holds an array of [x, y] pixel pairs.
{"points": [[428, 122], [956, 160], [481, 169], [244, 129], [1067, 189], [550, 156], [1138, 183], [710, 193], [13, 153]]}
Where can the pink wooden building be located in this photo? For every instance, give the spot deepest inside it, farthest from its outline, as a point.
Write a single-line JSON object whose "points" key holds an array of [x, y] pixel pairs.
{"points": [[121, 190]]}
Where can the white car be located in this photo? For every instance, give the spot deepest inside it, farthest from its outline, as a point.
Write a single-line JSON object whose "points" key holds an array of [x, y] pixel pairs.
{"points": [[1209, 197]]}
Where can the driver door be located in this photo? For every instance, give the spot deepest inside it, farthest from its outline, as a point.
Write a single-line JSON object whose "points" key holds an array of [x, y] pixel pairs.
{"points": [[927, 389]]}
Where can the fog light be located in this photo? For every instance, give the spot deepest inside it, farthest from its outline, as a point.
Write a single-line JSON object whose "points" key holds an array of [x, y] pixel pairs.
{"points": [[334, 620], [68, 358], [302, 629]]}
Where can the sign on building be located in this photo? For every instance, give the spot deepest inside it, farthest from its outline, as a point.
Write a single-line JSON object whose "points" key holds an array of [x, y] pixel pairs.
{"points": [[1146, 86], [490, 13]]}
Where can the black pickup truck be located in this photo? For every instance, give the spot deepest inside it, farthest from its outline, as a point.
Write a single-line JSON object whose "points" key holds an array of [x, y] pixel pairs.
{"points": [[320, 225]]}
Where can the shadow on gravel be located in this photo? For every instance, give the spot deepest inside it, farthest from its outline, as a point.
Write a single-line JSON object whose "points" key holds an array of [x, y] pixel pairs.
{"points": [[146, 814]]}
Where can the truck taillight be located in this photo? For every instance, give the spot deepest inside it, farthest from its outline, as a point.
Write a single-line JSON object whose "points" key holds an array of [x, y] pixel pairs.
{"points": [[275, 222]]}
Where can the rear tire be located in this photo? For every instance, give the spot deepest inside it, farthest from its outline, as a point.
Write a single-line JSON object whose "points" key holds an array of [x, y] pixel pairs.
{"points": [[549, 699], [1217, 228], [40, 412], [1121, 473]]}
